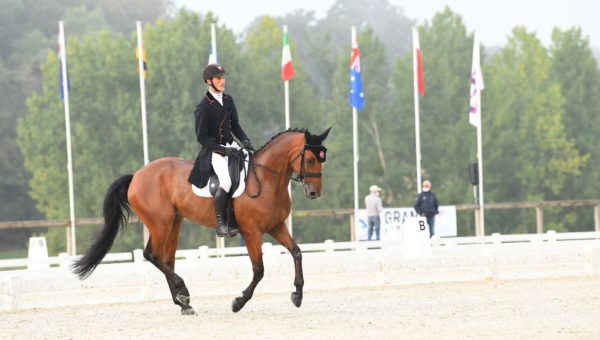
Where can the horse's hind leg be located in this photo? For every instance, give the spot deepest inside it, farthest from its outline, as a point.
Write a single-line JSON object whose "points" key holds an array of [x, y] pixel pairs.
{"points": [[253, 244], [160, 251], [282, 235]]}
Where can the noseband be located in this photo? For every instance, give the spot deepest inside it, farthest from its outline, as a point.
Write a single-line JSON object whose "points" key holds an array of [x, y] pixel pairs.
{"points": [[302, 174]]}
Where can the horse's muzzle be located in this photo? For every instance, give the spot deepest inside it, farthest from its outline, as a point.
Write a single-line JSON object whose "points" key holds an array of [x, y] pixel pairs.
{"points": [[311, 192]]}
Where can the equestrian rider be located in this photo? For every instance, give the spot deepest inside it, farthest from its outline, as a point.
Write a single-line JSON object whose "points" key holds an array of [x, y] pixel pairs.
{"points": [[216, 124]]}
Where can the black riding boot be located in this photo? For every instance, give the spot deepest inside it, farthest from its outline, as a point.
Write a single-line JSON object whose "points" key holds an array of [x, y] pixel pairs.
{"points": [[232, 224], [220, 209]]}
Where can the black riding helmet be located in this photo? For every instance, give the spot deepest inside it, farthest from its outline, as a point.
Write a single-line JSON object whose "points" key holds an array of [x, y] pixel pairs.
{"points": [[213, 70]]}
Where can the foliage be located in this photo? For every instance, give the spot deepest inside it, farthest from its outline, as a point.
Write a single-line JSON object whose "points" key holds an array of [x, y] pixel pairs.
{"points": [[539, 107]]}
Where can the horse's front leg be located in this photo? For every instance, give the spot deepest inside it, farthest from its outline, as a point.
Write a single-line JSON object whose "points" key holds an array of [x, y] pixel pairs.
{"points": [[253, 244], [282, 235]]}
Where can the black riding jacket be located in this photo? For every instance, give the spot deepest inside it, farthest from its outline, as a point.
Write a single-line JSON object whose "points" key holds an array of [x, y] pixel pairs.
{"points": [[215, 127]]}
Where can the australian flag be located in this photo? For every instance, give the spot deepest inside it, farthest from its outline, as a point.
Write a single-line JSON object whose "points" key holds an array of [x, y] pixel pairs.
{"points": [[356, 91]]}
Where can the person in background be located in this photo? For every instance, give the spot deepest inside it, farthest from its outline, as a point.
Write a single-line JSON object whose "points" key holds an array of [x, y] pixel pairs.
{"points": [[374, 207], [426, 205]]}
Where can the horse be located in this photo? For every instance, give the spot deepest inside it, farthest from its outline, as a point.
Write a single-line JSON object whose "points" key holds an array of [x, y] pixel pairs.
{"points": [[160, 195]]}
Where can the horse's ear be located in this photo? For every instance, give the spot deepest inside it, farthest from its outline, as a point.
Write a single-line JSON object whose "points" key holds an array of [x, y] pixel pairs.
{"points": [[324, 134]]}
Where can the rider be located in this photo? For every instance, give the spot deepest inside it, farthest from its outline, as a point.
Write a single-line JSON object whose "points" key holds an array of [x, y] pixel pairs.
{"points": [[216, 124]]}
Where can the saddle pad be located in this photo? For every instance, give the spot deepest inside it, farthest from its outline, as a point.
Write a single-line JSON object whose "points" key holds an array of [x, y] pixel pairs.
{"points": [[205, 191]]}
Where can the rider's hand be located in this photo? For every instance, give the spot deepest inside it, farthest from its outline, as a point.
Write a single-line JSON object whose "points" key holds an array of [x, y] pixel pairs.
{"points": [[231, 152], [247, 144]]}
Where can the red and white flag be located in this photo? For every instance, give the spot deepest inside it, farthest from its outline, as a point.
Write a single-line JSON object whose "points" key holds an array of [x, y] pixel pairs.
{"points": [[418, 67], [287, 69]]}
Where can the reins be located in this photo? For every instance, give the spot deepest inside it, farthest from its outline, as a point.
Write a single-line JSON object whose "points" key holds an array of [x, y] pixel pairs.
{"points": [[299, 178]]}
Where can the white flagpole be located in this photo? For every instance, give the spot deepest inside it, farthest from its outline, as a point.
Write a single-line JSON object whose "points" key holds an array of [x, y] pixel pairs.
{"points": [[286, 88], [480, 163], [355, 143], [65, 87], [142, 91], [142, 72], [479, 132], [416, 95]]}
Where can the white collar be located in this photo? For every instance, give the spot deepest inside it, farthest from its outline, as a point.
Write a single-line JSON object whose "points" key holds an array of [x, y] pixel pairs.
{"points": [[217, 96]]}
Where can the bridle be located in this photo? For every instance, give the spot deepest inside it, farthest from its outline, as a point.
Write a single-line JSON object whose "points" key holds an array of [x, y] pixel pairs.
{"points": [[301, 175]]}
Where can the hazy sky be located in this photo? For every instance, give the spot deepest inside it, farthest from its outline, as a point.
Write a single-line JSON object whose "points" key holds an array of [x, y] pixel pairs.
{"points": [[494, 19]]}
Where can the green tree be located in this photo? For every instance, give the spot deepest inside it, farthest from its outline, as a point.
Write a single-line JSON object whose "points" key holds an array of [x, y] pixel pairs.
{"points": [[528, 155], [576, 70]]}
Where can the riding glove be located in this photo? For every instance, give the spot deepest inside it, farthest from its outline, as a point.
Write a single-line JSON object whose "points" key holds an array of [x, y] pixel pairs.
{"points": [[247, 144], [232, 152]]}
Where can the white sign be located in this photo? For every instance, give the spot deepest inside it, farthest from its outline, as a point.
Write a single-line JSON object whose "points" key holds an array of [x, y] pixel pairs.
{"points": [[393, 219], [417, 243], [37, 257]]}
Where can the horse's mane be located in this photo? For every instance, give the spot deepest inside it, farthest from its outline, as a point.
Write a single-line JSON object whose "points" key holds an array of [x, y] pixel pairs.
{"points": [[302, 130]]}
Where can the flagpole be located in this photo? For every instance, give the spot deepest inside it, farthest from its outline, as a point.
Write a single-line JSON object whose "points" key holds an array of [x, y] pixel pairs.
{"points": [[142, 73], [355, 147], [65, 87], [416, 96], [480, 169], [480, 145], [475, 119], [286, 88], [355, 153]]}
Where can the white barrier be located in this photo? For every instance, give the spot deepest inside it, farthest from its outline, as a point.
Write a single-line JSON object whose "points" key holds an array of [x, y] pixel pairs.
{"points": [[37, 257], [326, 266]]}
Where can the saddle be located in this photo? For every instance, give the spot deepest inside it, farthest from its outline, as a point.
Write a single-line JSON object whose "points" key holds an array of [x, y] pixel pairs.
{"points": [[237, 173]]}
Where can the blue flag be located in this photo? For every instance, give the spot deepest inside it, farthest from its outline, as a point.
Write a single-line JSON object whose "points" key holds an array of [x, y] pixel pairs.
{"points": [[356, 91], [62, 58]]}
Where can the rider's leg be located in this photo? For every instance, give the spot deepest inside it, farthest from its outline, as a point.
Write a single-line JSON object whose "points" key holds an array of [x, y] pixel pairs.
{"points": [[219, 164]]}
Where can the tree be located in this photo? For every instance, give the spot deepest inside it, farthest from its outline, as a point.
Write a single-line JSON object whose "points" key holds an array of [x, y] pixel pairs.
{"points": [[576, 70], [528, 153]]}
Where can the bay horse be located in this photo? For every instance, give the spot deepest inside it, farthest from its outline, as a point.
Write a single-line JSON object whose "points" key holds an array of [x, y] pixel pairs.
{"points": [[160, 195]]}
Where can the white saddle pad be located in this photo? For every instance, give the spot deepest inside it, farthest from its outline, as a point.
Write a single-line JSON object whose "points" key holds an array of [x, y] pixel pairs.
{"points": [[205, 191]]}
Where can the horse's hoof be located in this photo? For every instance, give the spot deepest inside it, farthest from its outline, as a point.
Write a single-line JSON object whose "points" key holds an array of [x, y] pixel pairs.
{"points": [[237, 304], [187, 311], [184, 299], [233, 233], [297, 299]]}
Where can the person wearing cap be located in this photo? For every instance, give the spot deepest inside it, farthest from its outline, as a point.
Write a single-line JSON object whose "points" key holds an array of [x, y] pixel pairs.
{"points": [[374, 207], [217, 123], [426, 204]]}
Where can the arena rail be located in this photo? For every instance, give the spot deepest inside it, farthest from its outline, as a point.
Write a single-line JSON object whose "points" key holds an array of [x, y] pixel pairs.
{"points": [[128, 277]]}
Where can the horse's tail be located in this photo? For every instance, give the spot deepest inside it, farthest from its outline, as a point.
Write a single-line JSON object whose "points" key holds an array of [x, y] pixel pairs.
{"points": [[116, 214]]}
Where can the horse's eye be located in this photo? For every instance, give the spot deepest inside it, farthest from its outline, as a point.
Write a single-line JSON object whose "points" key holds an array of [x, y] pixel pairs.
{"points": [[310, 161]]}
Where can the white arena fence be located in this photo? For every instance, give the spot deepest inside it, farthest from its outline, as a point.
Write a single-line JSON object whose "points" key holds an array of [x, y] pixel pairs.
{"points": [[127, 277]]}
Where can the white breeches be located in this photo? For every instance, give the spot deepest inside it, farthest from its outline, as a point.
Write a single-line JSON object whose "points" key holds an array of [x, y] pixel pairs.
{"points": [[220, 165]]}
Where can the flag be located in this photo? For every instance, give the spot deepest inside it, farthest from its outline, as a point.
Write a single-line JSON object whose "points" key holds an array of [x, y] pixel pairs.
{"points": [[356, 91], [476, 85], [287, 68], [137, 57], [212, 57], [418, 66], [62, 59]]}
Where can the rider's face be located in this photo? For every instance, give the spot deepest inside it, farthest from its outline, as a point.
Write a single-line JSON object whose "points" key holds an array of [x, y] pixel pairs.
{"points": [[219, 82]]}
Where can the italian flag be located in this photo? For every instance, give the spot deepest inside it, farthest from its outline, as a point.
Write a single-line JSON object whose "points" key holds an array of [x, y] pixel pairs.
{"points": [[287, 69]]}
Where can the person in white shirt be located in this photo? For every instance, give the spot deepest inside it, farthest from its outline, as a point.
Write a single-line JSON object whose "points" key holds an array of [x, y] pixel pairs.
{"points": [[374, 207]]}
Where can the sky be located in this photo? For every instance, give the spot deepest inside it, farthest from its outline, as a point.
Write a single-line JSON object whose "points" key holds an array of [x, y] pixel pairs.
{"points": [[493, 19]]}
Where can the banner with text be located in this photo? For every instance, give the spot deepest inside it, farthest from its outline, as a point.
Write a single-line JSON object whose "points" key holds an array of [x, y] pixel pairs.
{"points": [[392, 221]]}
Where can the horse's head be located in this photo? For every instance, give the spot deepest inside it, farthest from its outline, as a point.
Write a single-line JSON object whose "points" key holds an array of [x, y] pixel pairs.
{"points": [[310, 163]]}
